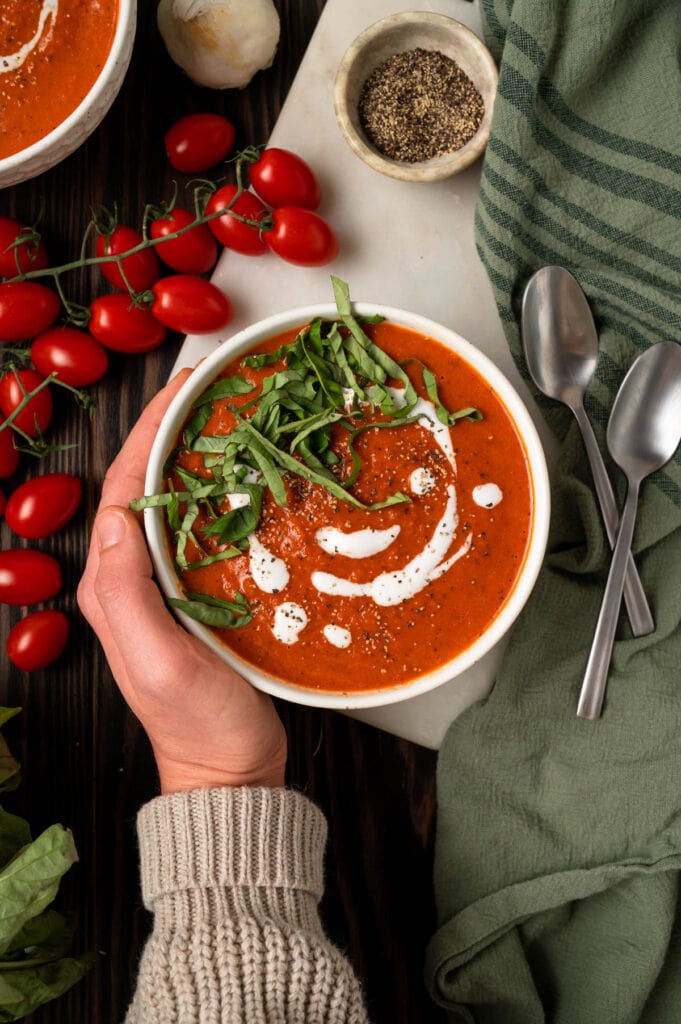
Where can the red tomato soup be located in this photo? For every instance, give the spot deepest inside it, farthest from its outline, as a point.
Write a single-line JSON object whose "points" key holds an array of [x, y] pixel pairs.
{"points": [[344, 598], [51, 53]]}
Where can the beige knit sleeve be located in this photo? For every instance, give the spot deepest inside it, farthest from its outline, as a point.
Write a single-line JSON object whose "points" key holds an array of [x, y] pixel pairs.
{"points": [[233, 878]]}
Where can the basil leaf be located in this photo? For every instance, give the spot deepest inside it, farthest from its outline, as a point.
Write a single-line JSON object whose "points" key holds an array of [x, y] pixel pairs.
{"points": [[430, 382], [213, 611], [268, 358], [195, 425], [33, 938], [226, 388], [43, 938], [173, 509], [341, 294], [14, 835], [238, 523], [184, 533], [469, 413], [24, 988], [217, 443], [259, 449], [29, 882], [219, 556], [151, 501]]}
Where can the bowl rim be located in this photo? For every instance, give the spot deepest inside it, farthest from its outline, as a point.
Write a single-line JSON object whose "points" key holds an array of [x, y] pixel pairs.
{"points": [[436, 168], [240, 343], [124, 23]]}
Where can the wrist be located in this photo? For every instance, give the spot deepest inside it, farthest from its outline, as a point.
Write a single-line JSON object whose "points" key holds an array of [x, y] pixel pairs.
{"points": [[178, 777]]}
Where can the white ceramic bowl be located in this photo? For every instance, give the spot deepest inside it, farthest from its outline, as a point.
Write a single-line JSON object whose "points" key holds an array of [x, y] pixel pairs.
{"points": [[74, 130], [396, 34], [237, 346]]}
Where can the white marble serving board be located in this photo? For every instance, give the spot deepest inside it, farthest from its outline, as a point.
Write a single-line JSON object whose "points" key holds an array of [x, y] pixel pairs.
{"points": [[402, 244]]}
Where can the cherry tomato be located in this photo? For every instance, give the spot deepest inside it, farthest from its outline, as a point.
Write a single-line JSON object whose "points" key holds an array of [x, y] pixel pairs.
{"points": [[282, 178], [190, 305], [26, 309], [30, 255], [194, 252], [234, 233], [124, 327], [9, 456], [199, 141], [43, 505], [35, 417], [141, 270], [302, 237], [75, 356], [38, 639], [28, 576]]}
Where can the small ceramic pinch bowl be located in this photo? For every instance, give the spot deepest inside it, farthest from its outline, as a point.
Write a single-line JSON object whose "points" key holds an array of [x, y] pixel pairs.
{"points": [[400, 33], [162, 556], [66, 137]]}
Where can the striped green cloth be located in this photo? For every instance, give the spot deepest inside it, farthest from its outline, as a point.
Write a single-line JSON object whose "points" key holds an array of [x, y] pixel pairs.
{"points": [[559, 840]]}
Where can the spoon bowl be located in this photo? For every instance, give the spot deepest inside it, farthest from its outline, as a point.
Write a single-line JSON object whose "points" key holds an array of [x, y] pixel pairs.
{"points": [[644, 431], [559, 333], [645, 424], [561, 351]]}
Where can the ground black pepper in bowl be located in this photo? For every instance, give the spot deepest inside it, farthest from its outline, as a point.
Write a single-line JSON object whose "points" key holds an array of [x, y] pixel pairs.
{"points": [[419, 104]]}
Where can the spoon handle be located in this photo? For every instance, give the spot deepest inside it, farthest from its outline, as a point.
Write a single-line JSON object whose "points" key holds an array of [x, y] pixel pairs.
{"points": [[638, 610], [596, 674]]}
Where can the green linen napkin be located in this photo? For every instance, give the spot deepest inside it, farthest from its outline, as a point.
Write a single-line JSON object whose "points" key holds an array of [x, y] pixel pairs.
{"points": [[559, 840]]}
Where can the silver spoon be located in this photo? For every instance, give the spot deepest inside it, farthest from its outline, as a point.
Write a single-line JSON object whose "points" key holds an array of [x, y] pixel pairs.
{"points": [[643, 433], [561, 350]]}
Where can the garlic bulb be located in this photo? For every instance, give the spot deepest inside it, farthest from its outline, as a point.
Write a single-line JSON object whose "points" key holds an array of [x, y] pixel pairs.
{"points": [[220, 43]]}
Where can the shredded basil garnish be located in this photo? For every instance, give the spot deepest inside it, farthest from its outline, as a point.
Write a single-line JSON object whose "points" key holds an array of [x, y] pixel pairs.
{"points": [[334, 376]]}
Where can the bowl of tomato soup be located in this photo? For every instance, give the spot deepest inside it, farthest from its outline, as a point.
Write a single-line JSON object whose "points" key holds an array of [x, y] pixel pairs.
{"points": [[350, 508], [62, 63]]}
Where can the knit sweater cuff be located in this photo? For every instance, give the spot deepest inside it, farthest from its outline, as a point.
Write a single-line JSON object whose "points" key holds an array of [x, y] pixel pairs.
{"points": [[246, 837]]}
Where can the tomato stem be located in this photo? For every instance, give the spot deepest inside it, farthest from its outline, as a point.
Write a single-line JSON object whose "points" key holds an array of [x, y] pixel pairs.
{"points": [[27, 396], [85, 400], [94, 261]]}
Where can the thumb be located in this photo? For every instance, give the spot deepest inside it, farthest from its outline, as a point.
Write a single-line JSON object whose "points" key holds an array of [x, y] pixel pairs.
{"points": [[129, 600]]}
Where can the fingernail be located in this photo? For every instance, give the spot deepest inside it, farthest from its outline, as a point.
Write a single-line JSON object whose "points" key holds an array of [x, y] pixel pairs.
{"points": [[110, 528]]}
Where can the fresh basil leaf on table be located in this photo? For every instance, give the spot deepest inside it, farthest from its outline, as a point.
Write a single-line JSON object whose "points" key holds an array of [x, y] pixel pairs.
{"points": [[34, 938]]}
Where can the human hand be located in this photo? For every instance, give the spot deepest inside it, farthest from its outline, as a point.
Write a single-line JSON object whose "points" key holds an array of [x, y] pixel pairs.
{"points": [[207, 725]]}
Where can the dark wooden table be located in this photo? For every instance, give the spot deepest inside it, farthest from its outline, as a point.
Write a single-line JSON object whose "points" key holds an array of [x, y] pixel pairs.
{"points": [[86, 761]]}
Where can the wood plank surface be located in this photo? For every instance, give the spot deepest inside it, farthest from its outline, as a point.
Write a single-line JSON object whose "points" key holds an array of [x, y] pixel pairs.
{"points": [[86, 761]]}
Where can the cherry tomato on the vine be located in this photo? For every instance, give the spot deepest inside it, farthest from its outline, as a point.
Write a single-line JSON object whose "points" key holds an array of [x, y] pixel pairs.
{"points": [[194, 252], [141, 269], [124, 327], [190, 305], [233, 233], [35, 417], [26, 309], [38, 639], [30, 255], [75, 356], [199, 141], [282, 178], [300, 236], [28, 576], [9, 456], [43, 505]]}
